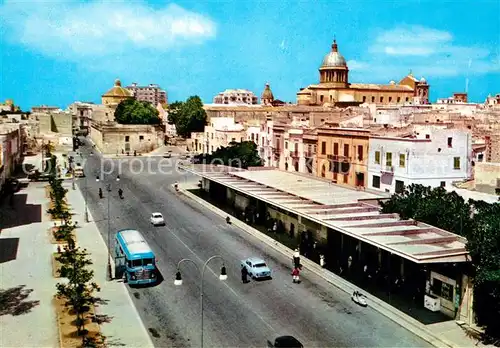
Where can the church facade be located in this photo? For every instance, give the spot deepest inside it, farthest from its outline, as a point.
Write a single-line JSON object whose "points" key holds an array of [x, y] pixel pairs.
{"points": [[334, 87]]}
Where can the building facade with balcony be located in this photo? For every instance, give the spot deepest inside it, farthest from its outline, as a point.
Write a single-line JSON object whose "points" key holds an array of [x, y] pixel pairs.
{"points": [[236, 97], [342, 155], [82, 116], [266, 139], [298, 151], [151, 93], [435, 158]]}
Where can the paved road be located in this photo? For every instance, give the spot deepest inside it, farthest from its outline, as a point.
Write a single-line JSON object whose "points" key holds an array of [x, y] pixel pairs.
{"points": [[236, 314]]}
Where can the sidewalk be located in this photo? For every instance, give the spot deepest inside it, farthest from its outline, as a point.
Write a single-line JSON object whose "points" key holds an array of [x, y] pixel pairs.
{"points": [[123, 326], [27, 316], [445, 334]]}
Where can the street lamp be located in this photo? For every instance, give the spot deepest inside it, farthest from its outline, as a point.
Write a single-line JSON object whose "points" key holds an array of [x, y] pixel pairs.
{"points": [[222, 276], [108, 189]]}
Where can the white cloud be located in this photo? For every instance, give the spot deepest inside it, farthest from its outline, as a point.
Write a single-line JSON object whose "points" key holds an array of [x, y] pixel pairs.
{"points": [[428, 52], [75, 30]]}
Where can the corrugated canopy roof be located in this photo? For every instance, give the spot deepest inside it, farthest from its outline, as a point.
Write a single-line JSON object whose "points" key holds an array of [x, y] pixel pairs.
{"points": [[346, 210]]}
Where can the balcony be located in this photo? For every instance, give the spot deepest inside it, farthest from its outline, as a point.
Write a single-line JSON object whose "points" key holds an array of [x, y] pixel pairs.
{"points": [[338, 158], [277, 150], [294, 154], [309, 154], [387, 169]]}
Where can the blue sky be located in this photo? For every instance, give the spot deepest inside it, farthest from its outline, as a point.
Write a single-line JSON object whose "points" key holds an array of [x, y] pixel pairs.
{"points": [[55, 52]]}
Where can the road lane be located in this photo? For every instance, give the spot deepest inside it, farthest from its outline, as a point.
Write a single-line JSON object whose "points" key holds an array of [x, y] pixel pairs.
{"points": [[235, 314]]}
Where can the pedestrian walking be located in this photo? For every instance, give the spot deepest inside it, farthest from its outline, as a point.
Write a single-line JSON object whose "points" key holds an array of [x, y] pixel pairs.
{"points": [[295, 275], [296, 259], [244, 274]]}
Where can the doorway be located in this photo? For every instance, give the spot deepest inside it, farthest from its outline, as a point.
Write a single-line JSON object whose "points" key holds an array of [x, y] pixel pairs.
{"points": [[360, 179]]}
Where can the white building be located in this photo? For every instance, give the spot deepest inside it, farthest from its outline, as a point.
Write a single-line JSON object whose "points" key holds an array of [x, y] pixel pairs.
{"points": [[236, 97], [492, 101], [253, 134], [435, 157], [219, 133], [266, 145], [458, 103]]}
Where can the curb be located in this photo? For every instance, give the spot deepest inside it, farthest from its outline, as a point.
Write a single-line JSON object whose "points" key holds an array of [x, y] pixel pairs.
{"points": [[112, 261], [377, 304]]}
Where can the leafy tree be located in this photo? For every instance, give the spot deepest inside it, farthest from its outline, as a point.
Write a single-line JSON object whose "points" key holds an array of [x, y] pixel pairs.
{"points": [[132, 111], [57, 194], [484, 248], [174, 112], [425, 204], [479, 222], [64, 232], [241, 155], [188, 116], [79, 290]]}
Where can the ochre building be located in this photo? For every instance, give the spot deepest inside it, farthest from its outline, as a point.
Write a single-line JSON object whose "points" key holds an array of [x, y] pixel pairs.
{"points": [[115, 95], [342, 155], [334, 87]]}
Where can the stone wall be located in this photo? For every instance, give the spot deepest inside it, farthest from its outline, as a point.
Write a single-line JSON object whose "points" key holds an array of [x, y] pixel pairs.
{"points": [[44, 122], [62, 123], [54, 122], [113, 138], [487, 177]]}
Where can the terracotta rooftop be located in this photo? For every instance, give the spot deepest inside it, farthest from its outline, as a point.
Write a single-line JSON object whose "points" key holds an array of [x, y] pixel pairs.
{"points": [[346, 210]]}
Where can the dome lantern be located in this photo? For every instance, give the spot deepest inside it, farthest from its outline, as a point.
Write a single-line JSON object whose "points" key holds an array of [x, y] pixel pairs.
{"points": [[334, 68]]}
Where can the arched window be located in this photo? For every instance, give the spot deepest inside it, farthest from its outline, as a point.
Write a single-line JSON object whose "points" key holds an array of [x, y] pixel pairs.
{"points": [[323, 170], [296, 166], [286, 166]]}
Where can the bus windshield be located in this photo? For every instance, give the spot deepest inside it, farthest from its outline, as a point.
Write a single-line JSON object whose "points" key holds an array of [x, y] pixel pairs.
{"points": [[140, 263]]}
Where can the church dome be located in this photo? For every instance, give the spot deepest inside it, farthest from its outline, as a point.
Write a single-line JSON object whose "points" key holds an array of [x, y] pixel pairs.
{"points": [[334, 58], [118, 91], [267, 94]]}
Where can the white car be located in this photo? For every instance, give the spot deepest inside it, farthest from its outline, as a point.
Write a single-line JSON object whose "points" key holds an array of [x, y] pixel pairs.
{"points": [[157, 219], [256, 268]]}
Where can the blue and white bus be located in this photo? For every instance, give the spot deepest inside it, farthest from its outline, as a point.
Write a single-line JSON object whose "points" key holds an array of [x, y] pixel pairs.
{"points": [[134, 257]]}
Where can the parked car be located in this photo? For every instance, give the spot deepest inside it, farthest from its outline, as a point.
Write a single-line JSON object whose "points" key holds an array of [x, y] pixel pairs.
{"points": [[157, 219], [167, 154], [285, 342], [256, 267]]}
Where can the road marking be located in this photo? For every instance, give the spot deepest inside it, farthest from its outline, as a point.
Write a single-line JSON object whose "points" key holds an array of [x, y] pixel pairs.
{"points": [[225, 284]]}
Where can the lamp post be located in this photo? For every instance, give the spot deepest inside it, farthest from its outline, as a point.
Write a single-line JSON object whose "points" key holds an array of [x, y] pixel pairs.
{"points": [[222, 276], [86, 212], [109, 274]]}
